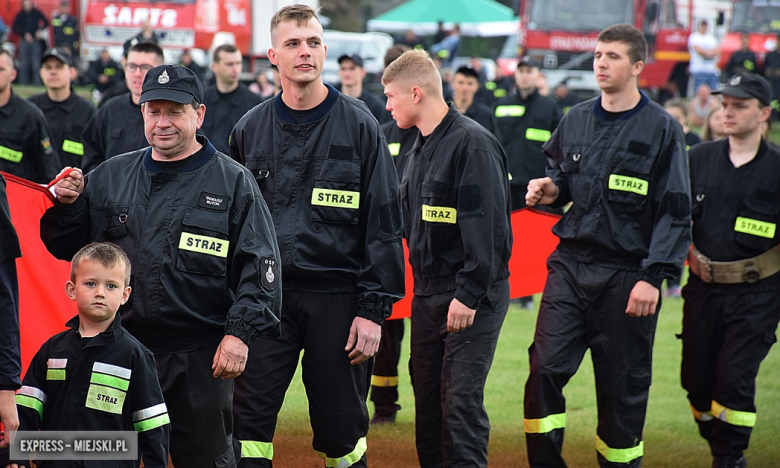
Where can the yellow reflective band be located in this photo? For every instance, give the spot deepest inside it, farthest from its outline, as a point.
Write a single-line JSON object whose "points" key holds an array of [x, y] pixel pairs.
{"points": [[509, 176], [383, 381], [702, 416], [55, 374], [755, 227], [499, 93], [395, 148], [110, 381], [109, 71], [336, 198], [748, 65], [510, 111], [255, 449], [204, 244], [348, 459], [439, 214], [149, 424], [545, 425], [105, 399], [69, 31], [56, 22], [619, 455], [10, 155], [490, 85], [673, 55], [733, 417], [537, 134], [627, 184], [30, 402], [73, 147]]}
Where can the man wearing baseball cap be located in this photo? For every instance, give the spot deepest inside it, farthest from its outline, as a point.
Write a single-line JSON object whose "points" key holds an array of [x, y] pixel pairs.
{"points": [[352, 73], [66, 112], [206, 280], [730, 312]]}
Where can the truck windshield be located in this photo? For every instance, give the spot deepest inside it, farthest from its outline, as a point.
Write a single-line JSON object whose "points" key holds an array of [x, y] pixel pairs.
{"points": [[591, 15], [756, 15]]}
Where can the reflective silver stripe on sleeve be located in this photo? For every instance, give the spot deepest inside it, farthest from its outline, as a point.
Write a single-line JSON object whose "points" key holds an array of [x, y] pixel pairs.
{"points": [[57, 363], [32, 392], [150, 412]]}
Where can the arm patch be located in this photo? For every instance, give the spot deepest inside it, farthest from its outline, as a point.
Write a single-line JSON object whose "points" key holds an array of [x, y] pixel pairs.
{"points": [[679, 205], [469, 198], [390, 218]]}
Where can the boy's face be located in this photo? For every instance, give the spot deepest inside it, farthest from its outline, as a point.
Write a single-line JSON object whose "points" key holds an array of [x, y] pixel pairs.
{"points": [[401, 104], [98, 290]]}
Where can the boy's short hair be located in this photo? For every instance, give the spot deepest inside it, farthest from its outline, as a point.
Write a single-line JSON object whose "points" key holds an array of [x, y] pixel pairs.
{"points": [[629, 35], [414, 68], [301, 14], [106, 253]]}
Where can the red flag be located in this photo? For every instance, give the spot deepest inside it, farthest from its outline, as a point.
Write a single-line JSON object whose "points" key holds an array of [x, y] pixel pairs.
{"points": [[533, 243], [43, 306]]}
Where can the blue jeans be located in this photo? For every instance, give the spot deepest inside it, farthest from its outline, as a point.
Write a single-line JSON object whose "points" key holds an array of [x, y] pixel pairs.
{"points": [[29, 61], [709, 78]]}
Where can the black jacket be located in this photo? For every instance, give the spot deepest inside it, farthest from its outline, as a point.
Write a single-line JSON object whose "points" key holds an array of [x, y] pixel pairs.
{"points": [[111, 69], [376, 106], [223, 111], [67, 120], [25, 142], [736, 210], [10, 357], [742, 62], [201, 243], [65, 29], [116, 128], [456, 211], [29, 22], [66, 386], [628, 183], [400, 142], [525, 124], [333, 194], [483, 115]]}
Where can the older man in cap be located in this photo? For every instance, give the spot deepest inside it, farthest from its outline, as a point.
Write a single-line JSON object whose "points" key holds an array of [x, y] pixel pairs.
{"points": [[204, 255]]}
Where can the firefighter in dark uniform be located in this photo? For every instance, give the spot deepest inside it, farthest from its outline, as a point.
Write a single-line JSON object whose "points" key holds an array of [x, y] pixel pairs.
{"points": [[732, 299], [465, 84], [456, 208], [620, 159], [118, 126], [323, 167], [10, 354], [227, 99], [352, 73], [25, 146], [65, 28], [206, 279], [742, 60], [526, 120], [104, 73], [771, 71], [66, 112]]}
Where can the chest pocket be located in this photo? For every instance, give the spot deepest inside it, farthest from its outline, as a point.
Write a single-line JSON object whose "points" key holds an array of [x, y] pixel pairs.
{"points": [[116, 222], [108, 386], [756, 225], [629, 180], [335, 197], [203, 243], [438, 204]]}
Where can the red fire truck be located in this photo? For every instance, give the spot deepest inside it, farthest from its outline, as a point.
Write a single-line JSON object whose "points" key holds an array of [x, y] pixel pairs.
{"points": [[760, 19], [561, 35]]}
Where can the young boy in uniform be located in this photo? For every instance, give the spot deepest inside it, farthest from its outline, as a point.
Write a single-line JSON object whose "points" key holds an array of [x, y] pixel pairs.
{"points": [[95, 376]]}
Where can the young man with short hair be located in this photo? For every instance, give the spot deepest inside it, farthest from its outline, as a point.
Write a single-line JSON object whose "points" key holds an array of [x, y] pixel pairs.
{"points": [[324, 169], [66, 112], [731, 300], [620, 160], [465, 84], [352, 73], [227, 99], [456, 218]]}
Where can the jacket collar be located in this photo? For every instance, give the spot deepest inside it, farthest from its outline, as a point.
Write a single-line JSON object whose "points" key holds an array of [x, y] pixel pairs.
{"points": [[643, 100], [66, 104], [102, 338], [150, 165], [322, 110], [428, 145]]}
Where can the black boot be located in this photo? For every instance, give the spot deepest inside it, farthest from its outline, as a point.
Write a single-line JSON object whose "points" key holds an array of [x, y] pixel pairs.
{"points": [[729, 462]]}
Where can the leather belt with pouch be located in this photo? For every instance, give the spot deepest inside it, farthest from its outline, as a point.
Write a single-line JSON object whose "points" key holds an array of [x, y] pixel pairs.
{"points": [[742, 271]]}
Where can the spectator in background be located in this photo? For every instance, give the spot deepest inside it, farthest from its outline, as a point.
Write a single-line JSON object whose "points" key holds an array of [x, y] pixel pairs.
{"points": [[147, 34], [119, 87], [351, 74], [476, 64], [413, 41], [186, 61], [3, 30], [441, 33], [277, 79], [464, 87], [65, 28], [704, 50], [713, 127], [563, 98], [447, 49], [500, 87], [262, 86], [743, 60], [700, 105], [104, 72], [772, 75], [446, 82], [29, 25], [541, 84]]}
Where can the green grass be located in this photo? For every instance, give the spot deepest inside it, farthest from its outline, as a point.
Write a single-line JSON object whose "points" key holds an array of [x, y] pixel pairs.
{"points": [[671, 438]]}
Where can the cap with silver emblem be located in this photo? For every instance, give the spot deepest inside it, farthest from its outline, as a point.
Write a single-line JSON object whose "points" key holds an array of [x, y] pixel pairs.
{"points": [[171, 83], [746, 86]]}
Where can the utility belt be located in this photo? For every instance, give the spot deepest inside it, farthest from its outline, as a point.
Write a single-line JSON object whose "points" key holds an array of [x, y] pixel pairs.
{"points": [[742, 271]]}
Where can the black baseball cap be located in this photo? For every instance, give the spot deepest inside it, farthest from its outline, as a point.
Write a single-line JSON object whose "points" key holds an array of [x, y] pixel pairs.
{"points": [[528, 61], [59, 53], [356, 59], [171, 83], [746, 86], [467, 70]]}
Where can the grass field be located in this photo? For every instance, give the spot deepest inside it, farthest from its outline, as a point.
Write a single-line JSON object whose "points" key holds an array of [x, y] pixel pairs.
{"points": [[671, 438]]}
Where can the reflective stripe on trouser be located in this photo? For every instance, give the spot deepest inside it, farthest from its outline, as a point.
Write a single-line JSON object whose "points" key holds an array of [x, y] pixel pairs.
{"points": [[725, 338], [255, 449], [319, 325], [449, 372], [621, 350], [616, 455], [348, 459], [384, 382]]}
